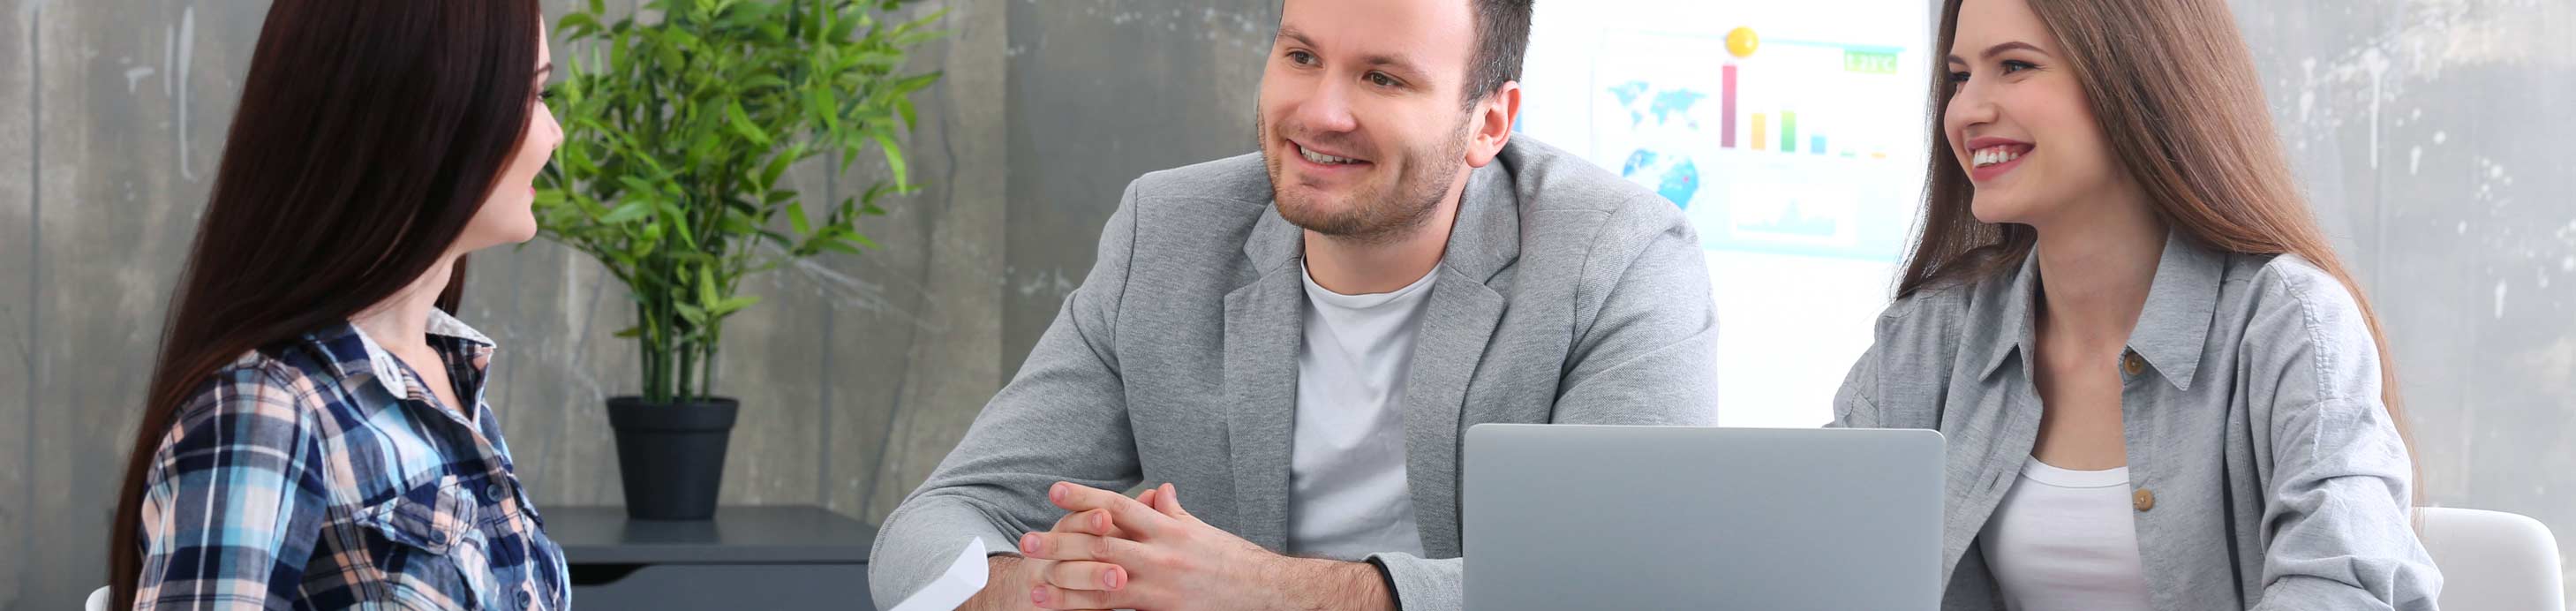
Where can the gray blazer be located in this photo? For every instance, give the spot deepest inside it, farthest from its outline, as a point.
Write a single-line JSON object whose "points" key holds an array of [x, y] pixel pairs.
{"points": [[2265, 470], [1566, 295]]}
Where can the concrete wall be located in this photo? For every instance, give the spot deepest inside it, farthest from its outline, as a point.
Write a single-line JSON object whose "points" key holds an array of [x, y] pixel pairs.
{"points": [[2424, 129]]}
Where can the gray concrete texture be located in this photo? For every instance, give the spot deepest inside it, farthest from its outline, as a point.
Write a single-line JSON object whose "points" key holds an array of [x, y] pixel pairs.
{"points": [[2429, 133]]}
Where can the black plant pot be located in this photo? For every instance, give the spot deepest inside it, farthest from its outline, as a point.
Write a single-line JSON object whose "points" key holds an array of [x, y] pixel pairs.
{"points": [[671, 456]]}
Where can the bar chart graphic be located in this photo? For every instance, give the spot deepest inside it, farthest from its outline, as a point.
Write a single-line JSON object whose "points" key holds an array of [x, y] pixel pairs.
{"points": [[1791, 135], [1768, 144]]}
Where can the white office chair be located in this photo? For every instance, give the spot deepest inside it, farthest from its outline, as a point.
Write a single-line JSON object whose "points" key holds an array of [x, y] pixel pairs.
{"points": [[97, 600], [2493, 561]]}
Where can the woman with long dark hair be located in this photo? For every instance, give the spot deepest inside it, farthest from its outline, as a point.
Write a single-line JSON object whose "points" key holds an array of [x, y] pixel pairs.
{"points": [[315, 434], [2160, 386]]}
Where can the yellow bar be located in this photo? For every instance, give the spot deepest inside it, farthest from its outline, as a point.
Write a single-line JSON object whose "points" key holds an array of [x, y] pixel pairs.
{"points": [[1760, 131]]}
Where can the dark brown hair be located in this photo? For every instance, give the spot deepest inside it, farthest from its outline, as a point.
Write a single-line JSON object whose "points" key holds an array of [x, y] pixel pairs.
{"points": [[367, 136], [1502, 38], [2174, 87]]}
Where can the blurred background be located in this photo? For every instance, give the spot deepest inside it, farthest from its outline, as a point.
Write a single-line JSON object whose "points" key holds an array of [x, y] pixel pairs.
{"points": [[2430, 135]]}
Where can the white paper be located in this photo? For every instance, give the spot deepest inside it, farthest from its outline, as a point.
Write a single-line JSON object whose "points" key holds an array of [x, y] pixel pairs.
{"points": [[961, 581]]}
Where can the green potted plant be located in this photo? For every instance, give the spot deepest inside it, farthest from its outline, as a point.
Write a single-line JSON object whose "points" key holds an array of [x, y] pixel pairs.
{"points": [[678, 127]]}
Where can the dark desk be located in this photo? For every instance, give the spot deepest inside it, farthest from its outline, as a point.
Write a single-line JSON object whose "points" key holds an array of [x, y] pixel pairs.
{"points": [[791, 557]]}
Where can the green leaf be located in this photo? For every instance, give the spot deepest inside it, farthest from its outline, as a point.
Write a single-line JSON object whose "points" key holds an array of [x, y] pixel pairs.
{"points": [[631, 210], [881, 59], [916, 82], [796, 218], [636, 186], [742, 123], [765, 81], [894, 157], [577, 25], [735, 304], [707, 285], [839, 246], [778, 165], [777, 239]]}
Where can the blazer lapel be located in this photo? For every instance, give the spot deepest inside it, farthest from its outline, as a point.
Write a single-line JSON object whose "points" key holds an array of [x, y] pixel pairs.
{"points": [[1263, 327], [1457, 325]]}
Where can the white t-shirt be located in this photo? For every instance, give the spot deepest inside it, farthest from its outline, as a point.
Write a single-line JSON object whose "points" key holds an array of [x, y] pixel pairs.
{"points": [[1347, 496], [2066, 540]]}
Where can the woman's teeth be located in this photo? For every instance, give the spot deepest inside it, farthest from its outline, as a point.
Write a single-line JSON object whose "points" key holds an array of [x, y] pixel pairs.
{"points": [[1994, 155], [1323, 158]]}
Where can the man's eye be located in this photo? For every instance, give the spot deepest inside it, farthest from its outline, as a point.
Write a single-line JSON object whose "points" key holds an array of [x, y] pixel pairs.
{"points": [[1301, 57], [1381, 79]]}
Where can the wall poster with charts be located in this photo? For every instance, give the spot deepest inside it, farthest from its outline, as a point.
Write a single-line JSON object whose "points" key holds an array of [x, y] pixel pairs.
{"points": [[1793, 136]]}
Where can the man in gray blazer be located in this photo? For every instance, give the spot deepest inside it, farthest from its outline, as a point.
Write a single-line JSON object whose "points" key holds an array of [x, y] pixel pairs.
{"points": [[1295, 340]]}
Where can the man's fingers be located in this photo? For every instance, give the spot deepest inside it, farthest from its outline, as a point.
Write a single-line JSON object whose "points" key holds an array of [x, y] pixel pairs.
{"points": [[1086, 575], [1093, 522], [1077, 546], [1133, 517], [1051, 597], [1168, 500]]}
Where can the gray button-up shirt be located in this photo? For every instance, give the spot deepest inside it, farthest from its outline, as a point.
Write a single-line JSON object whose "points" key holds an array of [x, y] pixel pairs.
{"points": [[2266, 470]]}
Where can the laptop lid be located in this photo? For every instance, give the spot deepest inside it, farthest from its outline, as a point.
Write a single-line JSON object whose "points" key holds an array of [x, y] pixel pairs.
{"points": [[1634, 517]]}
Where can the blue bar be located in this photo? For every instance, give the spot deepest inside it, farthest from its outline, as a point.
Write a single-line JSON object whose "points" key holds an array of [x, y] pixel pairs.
{"points": [[1817, 144]]}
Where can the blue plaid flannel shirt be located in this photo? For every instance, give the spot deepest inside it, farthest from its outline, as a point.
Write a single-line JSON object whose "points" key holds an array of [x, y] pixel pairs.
{"points": [[326, 476]]}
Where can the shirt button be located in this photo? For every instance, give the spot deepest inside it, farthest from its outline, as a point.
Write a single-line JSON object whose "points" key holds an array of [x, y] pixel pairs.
{"points": [[526, 600], [2134, 364], [2143, 499], [492, 492]]}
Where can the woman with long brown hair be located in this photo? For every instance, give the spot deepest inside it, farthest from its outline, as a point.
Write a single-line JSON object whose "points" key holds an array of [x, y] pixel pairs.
{"points": [[2160, 386], [315, 434]]}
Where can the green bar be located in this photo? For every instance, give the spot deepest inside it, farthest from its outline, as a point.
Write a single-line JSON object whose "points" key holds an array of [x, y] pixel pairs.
{"points": [[1869, 62], [1788, 131]]}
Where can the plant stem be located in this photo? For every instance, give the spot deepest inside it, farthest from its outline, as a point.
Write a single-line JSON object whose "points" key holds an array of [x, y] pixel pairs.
{"points": [[707, 383], [652, 356]]}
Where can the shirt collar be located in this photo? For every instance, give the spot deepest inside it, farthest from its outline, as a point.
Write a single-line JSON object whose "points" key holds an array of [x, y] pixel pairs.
{"points": [[2175, 324], [2002, 321], [357, 359], [2170, 332]]}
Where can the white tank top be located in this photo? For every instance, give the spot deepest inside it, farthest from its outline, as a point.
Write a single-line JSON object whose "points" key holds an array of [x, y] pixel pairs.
{"points": [[2066, 541]]}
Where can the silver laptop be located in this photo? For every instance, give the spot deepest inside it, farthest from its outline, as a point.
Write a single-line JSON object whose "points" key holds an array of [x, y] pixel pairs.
{"points": [[1635, 517]]}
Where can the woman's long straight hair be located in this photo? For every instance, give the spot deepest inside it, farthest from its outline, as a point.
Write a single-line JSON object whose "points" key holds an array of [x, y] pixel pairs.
{"points": [[2173, 85], [368, 135]]}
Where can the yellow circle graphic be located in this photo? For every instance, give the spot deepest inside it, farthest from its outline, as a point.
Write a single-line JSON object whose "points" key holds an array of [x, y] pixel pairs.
{"points": [[1742, 42]]}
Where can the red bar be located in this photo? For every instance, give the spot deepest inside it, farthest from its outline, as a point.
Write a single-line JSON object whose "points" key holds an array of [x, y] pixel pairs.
{"points": [[1726, 106]]}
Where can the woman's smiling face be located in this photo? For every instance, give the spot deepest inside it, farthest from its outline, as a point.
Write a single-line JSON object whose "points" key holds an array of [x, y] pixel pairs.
{"points": [[2019, 121]]}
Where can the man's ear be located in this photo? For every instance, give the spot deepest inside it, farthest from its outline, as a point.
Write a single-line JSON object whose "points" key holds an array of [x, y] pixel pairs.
{"points": [[1493, 124]]}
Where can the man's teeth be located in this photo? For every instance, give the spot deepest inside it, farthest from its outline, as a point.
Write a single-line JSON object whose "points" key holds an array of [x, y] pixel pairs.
{"points": [[1323, 158], [1994, 155]]}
